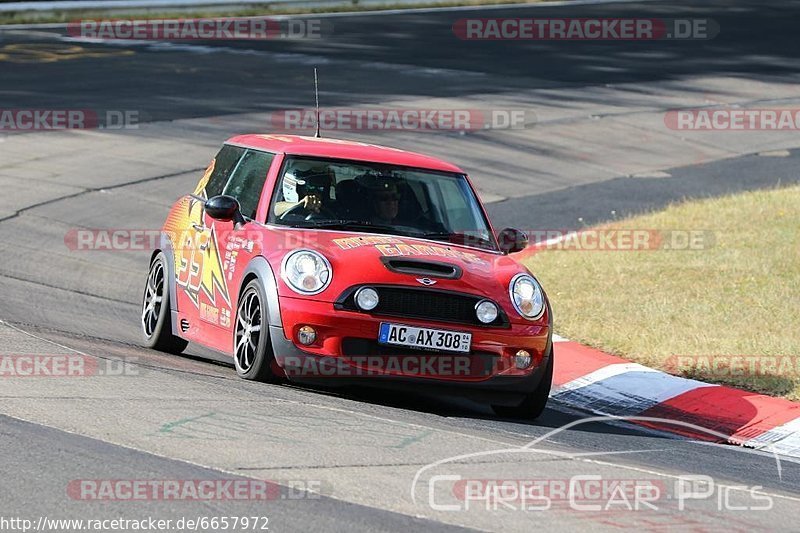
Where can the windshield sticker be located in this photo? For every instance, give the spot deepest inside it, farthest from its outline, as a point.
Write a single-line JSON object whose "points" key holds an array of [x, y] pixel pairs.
{"points": [[290, 188]]}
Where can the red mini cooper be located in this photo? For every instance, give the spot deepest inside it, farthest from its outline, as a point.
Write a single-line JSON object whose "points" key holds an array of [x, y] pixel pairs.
{"points": [[326, 261]]}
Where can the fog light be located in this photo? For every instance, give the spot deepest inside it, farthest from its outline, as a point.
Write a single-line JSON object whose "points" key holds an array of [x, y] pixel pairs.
{"points": [[306, 335], [367, 298], [522, 359], [486, 311]]}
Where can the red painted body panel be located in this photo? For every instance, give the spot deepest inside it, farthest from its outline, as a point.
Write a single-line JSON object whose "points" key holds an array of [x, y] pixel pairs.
{"points": [[210, 265]]}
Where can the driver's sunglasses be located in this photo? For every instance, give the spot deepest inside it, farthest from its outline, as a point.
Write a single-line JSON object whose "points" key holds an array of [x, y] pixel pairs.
{"points": [[388, 197]]}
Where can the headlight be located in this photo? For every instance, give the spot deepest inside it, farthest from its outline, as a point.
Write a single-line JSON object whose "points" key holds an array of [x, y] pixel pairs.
{"points": [[367, 298], [486, 311], [306, 271], [527, 296]]}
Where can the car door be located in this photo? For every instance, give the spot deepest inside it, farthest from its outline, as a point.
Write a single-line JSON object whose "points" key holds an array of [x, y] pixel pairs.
{"points": [[195, 244], [227, 250]]}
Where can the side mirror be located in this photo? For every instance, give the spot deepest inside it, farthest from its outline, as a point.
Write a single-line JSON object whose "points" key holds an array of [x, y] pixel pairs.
{"points": [[225, 208], [512, 240]]}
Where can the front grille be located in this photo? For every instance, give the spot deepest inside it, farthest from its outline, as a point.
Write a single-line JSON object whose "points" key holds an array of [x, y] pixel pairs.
{"points": [[413, 302]]}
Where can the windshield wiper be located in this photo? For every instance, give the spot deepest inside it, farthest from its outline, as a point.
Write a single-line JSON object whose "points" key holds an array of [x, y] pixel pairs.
{"points": [[347, 224]]}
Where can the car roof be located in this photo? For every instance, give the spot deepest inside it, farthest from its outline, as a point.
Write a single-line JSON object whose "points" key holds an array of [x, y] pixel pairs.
{"points": [[341, 149]]}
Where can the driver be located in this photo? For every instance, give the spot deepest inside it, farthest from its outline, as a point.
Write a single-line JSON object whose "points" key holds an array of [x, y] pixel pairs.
{"points": [[387, 204], [384, 196], [312, 186]]}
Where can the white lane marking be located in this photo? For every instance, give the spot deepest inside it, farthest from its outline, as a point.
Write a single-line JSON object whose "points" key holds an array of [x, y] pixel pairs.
{"points": [[645, 384], [559, 338], [784, 439], [601, 374]]}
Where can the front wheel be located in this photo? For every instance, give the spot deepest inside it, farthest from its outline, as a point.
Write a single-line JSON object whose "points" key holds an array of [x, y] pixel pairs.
{"points": [[252, 351], [156, 321], [534, 403]]}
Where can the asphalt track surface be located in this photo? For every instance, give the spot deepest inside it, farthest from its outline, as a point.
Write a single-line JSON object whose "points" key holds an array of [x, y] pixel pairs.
{"points": [[190, 417]]}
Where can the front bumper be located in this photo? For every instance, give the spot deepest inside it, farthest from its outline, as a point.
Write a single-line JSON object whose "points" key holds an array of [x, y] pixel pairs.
{"points": [[487, 371]]}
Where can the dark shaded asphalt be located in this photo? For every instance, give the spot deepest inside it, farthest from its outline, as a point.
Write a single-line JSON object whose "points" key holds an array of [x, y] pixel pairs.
{"points": [[372, 58], [586, 205]]}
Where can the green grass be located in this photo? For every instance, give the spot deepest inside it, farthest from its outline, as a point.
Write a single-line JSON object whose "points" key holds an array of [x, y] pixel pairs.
{"points": [[740, 296]]}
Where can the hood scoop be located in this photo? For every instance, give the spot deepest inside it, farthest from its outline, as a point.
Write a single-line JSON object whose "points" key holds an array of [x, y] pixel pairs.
{"points": [[416, 267]]}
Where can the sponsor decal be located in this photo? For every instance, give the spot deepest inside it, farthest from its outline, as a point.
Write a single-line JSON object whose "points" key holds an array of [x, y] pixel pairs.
{"points": [[394, 250], [350, 243]]}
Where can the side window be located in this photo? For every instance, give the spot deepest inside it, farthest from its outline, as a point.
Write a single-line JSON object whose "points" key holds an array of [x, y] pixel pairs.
{"points": [[224, 164], [248, 180]]}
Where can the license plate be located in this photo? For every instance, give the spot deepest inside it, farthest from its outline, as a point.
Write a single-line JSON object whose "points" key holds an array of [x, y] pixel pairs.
{"points": [[424, 338]]}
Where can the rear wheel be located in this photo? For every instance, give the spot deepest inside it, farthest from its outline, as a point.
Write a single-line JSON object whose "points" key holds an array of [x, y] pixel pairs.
{"points": [[252, 351], [534, 403], [156, 320]]}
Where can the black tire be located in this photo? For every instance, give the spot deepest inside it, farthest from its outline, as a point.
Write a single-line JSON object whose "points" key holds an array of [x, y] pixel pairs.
{"points": [[156, 319], [534, 403], [252, 350]]}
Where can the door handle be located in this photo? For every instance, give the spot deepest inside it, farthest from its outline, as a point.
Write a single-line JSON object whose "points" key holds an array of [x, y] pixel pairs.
{"points": [[199, 227]]}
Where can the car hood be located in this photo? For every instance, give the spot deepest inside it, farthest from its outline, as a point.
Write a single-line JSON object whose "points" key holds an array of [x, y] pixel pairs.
{"points": [[367, 258]]}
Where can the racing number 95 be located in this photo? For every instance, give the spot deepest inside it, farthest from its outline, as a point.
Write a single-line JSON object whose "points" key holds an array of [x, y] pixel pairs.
{"points": [[191, 261]]}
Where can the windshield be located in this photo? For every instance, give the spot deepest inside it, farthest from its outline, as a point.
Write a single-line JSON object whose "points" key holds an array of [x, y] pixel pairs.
{"points": [[379, 198]]}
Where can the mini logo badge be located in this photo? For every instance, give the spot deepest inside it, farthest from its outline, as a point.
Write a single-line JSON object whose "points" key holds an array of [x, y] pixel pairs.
{"points": [[426, 281]]}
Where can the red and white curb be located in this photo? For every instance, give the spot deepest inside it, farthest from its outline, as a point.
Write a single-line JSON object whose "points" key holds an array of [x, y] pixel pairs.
{"points": [[591, 380]]}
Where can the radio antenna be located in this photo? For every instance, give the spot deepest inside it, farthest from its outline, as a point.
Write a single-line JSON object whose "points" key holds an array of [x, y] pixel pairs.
{"points": [[316, 99]]}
